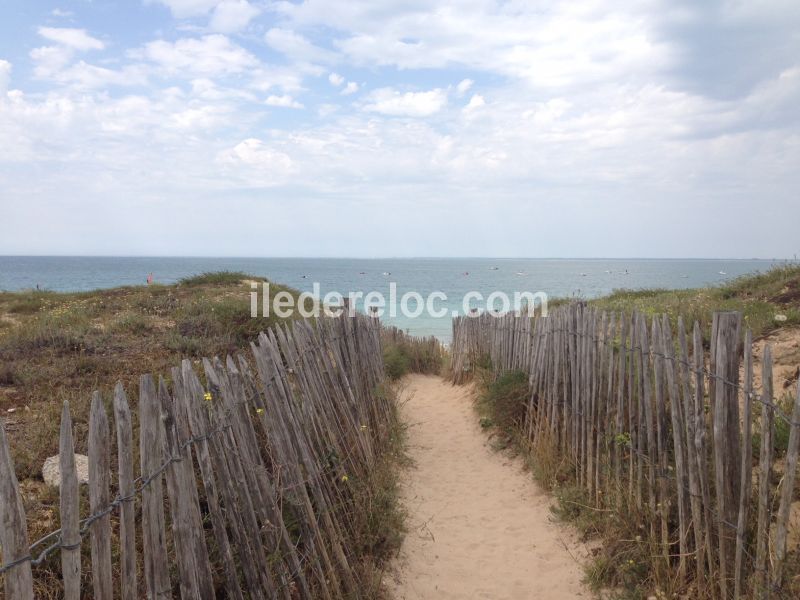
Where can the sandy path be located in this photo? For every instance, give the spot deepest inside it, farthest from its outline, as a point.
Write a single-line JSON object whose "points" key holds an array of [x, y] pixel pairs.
{"points": [[478, 525]]}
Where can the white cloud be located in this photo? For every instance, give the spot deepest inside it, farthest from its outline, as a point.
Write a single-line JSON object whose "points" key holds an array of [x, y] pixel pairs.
{"points": [[232, 15], [350, 88], [5, 76], [187, 8], [270, 165], [49, 60], [285, 101], [464, 86], [208, 56], [76, 39], [388, 101], [546, 44], [83, 75], [297, 47], [57, 12], [475, 102], [583, 109]]}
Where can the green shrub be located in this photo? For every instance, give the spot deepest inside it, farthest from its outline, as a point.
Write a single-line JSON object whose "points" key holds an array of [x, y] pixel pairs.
{"points": [[218, 278], [185, 346], [9, 375], [396, 362], [506, 400], [132, 323]]}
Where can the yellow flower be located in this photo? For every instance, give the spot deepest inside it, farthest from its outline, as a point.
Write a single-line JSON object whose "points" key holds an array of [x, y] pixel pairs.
{"points": [[259, 410], [363, 428], [345, 478], [207, 396]]}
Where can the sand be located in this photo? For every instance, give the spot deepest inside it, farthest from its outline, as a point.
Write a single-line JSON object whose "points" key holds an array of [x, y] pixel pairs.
{"points": [[479, 527]]}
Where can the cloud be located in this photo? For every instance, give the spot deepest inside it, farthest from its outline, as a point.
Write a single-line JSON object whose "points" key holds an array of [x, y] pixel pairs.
{"points": [[475, 102], [57, 12], [5, 76], [388, 101], [297, 47], [49, 60], [211, 55], [284, 101], [182, 9], [76, 39], [232, 15], [601, 113], [262, 164], [350, 88]]}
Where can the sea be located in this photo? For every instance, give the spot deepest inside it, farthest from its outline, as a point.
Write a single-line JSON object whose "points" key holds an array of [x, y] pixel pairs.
{"points": [[453, 277]]}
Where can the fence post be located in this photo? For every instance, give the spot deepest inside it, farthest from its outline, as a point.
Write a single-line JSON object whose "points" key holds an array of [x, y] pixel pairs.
{"points": [[747, 464], [99, 497], [127, 510], [726, 434], [787, 492], [154, 535], [70, 510], [13, 528]]}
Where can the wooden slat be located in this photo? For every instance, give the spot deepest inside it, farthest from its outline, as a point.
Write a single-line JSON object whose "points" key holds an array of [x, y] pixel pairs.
{"points": [[154, 543], [726, 440], [13, 527], [787, 492], [70, 510], [192, 399], [679, 428], [127, 511], [760, 577], [747, 465], [100, 498], [187, 529], [695, 493]]}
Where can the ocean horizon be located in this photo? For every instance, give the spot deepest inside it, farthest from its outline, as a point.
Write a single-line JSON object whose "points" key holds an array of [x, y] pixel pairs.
{"points": [[556, 277]]}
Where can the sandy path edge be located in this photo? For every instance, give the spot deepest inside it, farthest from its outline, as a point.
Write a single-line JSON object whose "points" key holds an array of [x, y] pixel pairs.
{"points": [[479, 527]]}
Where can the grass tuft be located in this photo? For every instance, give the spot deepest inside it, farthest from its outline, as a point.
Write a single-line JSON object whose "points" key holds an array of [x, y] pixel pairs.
{"points": [[218, 278]]}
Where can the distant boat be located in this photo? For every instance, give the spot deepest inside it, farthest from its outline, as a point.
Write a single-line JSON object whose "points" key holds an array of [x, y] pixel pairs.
{"points": [[722, 273], [494, 268], [583, 274], [607, 271], [466, 272], [386, 273], [520, 273], [684, 277], [362, 272]]}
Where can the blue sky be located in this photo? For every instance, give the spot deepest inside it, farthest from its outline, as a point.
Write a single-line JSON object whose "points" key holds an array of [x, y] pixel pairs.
{"points": [[418, 128]]}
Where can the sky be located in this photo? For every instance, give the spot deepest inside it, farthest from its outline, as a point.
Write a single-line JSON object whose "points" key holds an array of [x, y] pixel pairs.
{"points": [[652, 128]]}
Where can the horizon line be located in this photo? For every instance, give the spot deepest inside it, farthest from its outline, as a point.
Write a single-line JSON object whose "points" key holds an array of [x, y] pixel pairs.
{"points": [[239, 257]]}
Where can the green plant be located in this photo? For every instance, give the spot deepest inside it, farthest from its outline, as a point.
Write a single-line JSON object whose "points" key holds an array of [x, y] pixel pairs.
{"points": [[217, 278], [507, 399], [396, 362], [132, 323]]}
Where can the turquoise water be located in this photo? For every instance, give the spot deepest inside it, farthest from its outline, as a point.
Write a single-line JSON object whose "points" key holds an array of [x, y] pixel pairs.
{"points": [[453, 276]]}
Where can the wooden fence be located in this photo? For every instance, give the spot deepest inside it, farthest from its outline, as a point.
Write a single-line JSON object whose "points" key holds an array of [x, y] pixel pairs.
{"points": [[658, 429], [246, 482]]}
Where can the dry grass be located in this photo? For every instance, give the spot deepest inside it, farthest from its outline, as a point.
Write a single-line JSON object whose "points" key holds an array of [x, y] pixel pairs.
{"points": [[760, 298], [405, 354], [56, 347]]}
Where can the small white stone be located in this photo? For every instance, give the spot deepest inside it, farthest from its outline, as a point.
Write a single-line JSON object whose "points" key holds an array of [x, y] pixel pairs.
{"points": [[51, 470]]}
